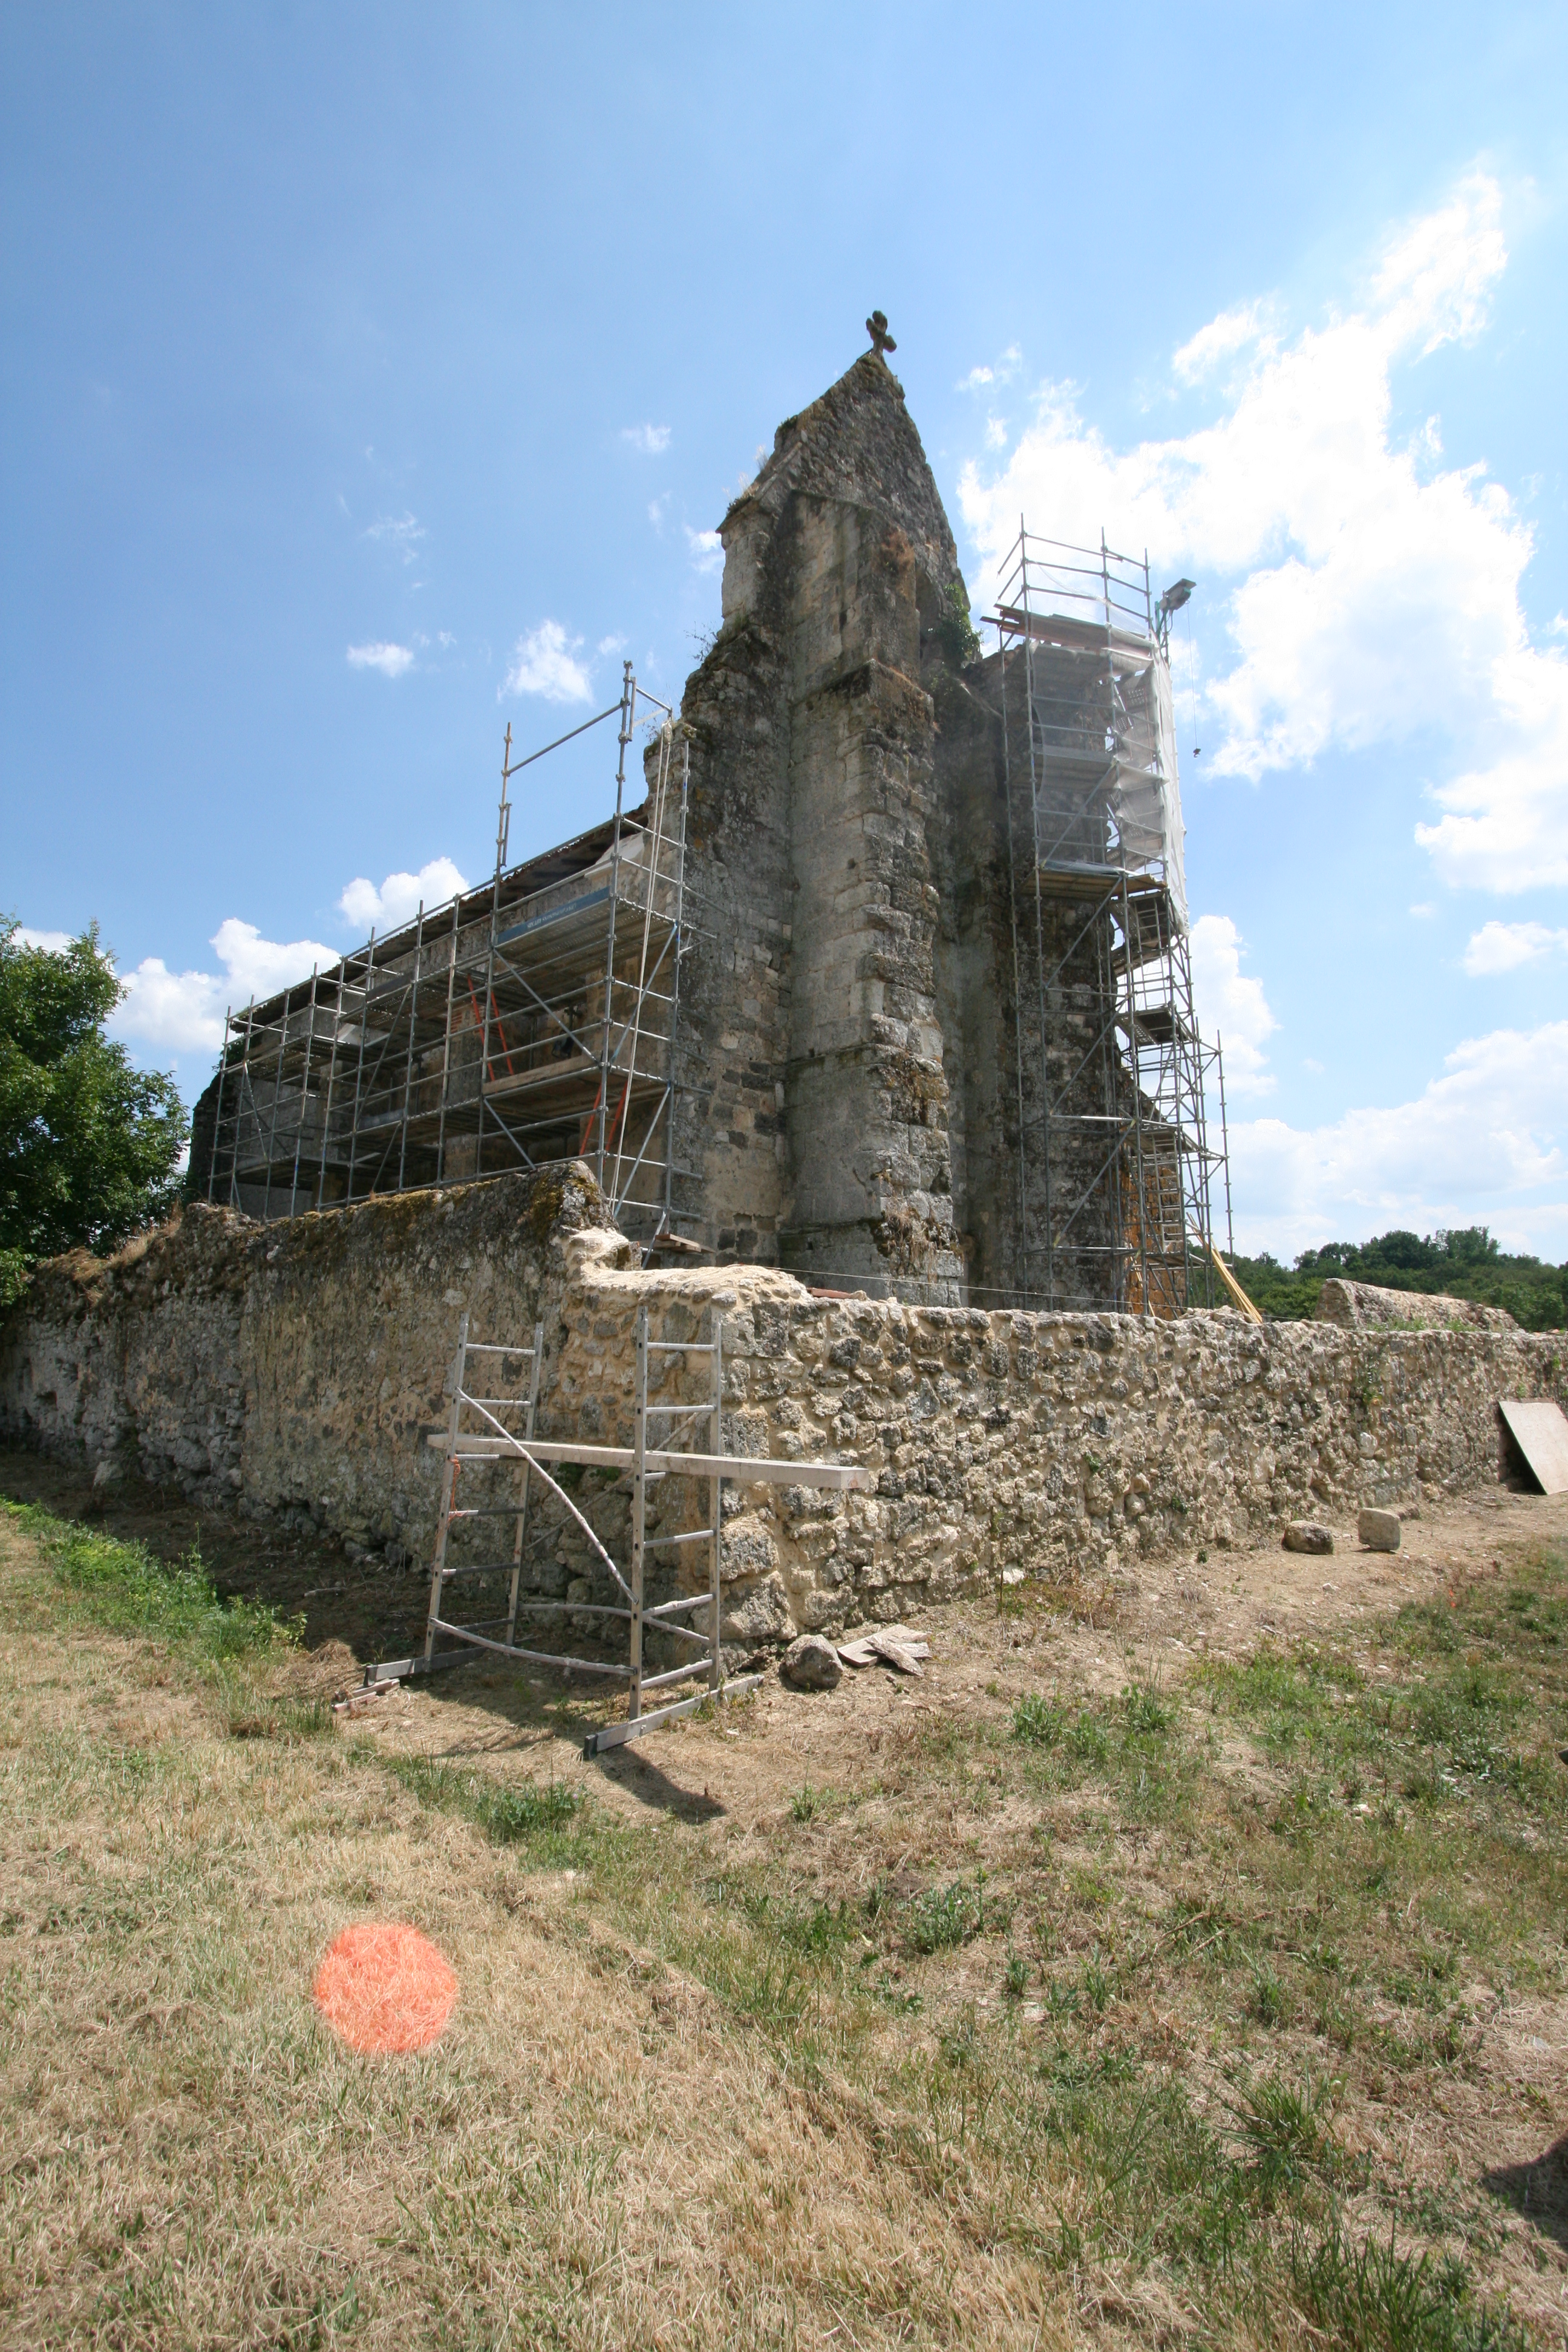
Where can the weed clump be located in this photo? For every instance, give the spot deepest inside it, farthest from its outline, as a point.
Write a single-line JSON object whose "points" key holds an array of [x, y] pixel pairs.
{"points": [[519, 1813], [1375, 2299], [942, 1917]]}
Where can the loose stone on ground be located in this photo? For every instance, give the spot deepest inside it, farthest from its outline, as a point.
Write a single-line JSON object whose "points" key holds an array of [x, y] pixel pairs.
{"points": [[811, 1663]]}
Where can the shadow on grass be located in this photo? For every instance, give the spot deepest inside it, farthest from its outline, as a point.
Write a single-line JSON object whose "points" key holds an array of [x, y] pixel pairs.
{"points": [[1537, 2190]]}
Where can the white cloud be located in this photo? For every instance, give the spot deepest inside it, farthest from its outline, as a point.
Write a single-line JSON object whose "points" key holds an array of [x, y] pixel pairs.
{"points": [[400, 896], [1005, 369], [1231, 1004], [1232, 332], [545, 663], [657, 509], [390, 660], [52, 940], [1372, 597], [182, 1012], [652, 440], [1492, 1126], [705, 549], [996, 432], [399, 532], [1424, 911], [1503, 946]]}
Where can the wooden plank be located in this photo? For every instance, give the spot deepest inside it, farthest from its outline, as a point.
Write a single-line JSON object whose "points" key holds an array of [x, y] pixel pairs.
{"points": [[1539, 1430], [1238, 1296], [840, 1476]]}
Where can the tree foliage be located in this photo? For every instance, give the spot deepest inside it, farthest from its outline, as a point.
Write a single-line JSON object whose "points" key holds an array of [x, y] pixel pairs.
{"points": [[88, 1145], [1460, 1263]]}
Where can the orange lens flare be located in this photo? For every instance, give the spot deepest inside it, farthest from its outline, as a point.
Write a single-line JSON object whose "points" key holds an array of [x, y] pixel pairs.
{"points": [[385, 1987]]}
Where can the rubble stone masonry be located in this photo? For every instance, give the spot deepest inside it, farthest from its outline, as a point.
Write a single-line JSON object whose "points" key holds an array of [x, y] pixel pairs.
{"points": [[294, 1372]]}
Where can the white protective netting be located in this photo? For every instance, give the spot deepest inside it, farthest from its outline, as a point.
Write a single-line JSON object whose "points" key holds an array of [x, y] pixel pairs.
{"points": [[1104, 748], [1146, 794]]}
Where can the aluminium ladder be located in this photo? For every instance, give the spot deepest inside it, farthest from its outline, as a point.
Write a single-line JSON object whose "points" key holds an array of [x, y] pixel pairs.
{"points": [[671, 1453]]}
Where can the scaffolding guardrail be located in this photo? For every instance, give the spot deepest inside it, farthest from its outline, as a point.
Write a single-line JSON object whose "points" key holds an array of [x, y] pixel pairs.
{"points": [[1114, 1168], [531, 1022]]}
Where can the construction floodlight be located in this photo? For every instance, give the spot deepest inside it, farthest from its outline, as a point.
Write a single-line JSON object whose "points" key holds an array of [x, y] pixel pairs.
{"points": [[1174, 598]]}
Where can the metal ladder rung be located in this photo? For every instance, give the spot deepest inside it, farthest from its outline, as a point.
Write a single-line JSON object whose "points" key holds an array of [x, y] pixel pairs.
{"points": [[482, 1635]]}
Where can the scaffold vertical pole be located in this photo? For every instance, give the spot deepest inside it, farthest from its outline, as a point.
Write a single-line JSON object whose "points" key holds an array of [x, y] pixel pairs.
{"points": [[413, 1043], [629, 708], [358, 1063], [639, 1512], [716, 1447], [218, 1106], [675, 982], [520, 1532], [1225, 1145], [445, 1044], [245, 1081], [449, 1482]]}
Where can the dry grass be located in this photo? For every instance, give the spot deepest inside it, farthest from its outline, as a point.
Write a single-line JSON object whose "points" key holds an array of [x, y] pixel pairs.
{"points": [[1228, 2010]]}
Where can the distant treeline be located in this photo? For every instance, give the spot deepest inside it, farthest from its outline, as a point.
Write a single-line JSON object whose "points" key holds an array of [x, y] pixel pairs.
{"points": [[1457, 1265]]}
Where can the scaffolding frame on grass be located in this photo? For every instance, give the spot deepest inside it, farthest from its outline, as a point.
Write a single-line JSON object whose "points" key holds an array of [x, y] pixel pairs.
{"points": [[1114, 1168], [529, 1023], [501, 1446]]}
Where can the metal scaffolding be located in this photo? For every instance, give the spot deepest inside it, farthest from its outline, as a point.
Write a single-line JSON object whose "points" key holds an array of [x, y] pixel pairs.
{"points": [[528, 1022], [669, 1618], [1114, 1170]]}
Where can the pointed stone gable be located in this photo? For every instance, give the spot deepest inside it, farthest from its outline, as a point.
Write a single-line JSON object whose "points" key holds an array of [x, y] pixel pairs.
{"points": [[858, 445], [818, 1050]]}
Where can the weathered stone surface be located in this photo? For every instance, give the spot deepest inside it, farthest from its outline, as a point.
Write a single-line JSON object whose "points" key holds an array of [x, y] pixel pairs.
{"points": [[295, 1371], [814, 1052], [811, 1663], [1379, 1530], [1308, 1535], [1367, 1307]]}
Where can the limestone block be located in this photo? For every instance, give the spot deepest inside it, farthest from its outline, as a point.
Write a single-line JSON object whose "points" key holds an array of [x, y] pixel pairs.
{"points": [[811, 1663], [1308, 1535], [1380, 1530], [762, 1614]]}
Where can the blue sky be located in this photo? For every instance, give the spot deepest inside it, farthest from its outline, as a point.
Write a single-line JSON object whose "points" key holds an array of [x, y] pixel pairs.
{"points": [[372, 376]]}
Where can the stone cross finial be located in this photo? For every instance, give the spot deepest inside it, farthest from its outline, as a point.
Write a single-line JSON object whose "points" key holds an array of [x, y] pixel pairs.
{"points": [[877, 328]]}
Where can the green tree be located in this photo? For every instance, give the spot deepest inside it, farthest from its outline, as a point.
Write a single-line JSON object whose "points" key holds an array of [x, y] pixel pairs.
{"points": [[88, 1145], [1460, 1261]]}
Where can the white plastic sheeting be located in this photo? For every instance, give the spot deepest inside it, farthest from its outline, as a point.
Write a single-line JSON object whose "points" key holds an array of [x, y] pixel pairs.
{"points": [[1103, 750]]}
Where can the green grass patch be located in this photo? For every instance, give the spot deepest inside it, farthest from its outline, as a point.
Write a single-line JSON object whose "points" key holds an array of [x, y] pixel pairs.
{"points": [[1371, 2298], [942, 1917], [553, 1822], [126, 1588]]}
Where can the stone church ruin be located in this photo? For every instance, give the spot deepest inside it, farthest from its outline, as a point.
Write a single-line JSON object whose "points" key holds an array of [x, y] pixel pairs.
{"points": [[883, 978], [833, 1114]]}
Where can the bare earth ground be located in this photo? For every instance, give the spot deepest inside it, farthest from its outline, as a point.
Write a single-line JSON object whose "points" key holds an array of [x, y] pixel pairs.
{"points": [[892, 2014]]}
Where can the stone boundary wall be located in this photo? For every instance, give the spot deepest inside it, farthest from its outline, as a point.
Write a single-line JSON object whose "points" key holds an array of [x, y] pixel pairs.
{"points": [[288, 1370], [294, 1370]]}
